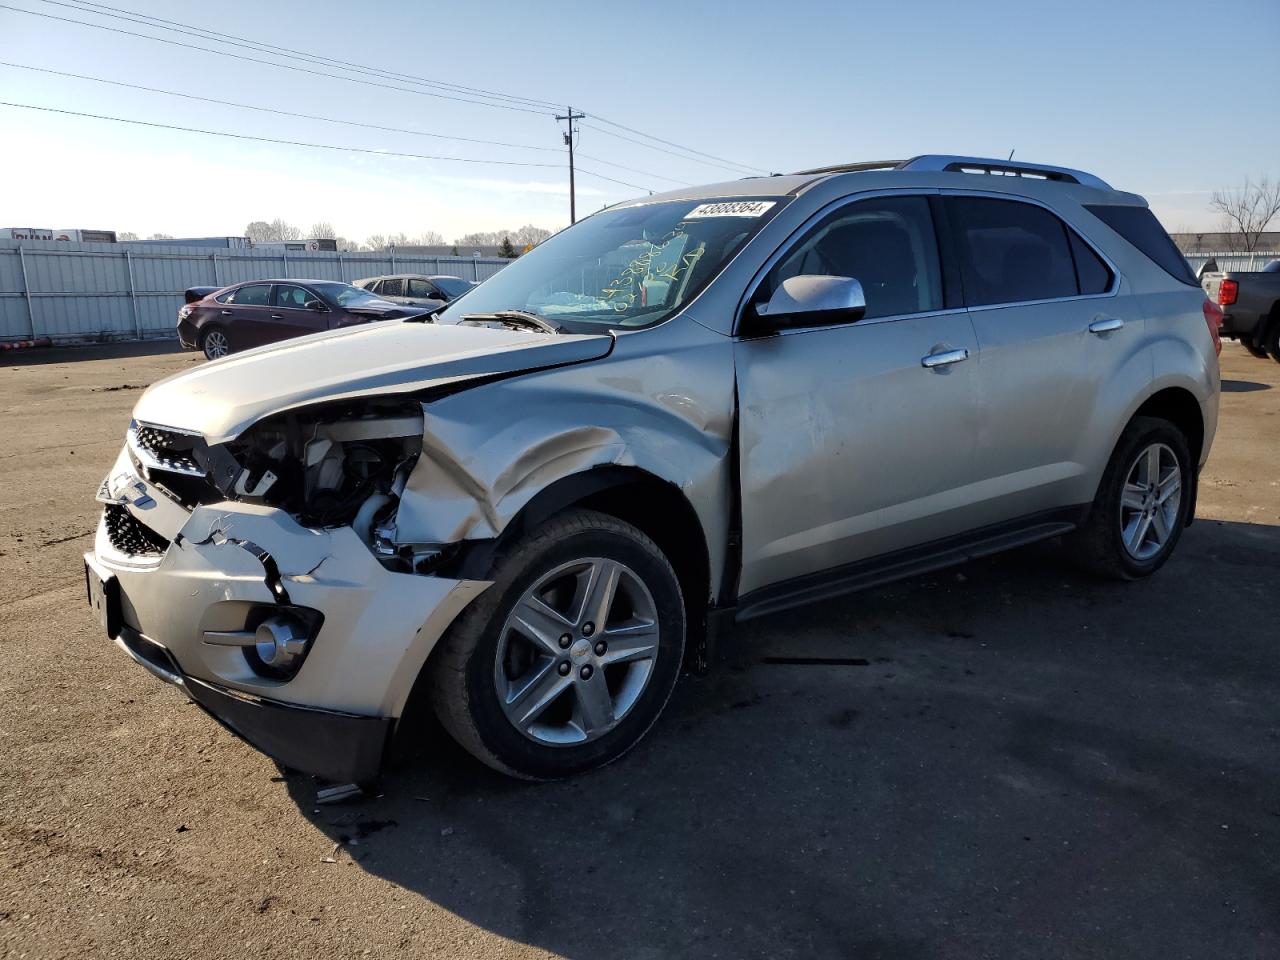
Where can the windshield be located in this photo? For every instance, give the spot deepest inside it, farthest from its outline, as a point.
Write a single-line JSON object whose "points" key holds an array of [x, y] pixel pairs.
{"points": [[453, 286], [628, 267], [347, 296]]}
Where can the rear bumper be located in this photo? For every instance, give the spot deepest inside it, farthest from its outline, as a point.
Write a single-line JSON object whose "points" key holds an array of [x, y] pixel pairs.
{"points": [[187, 335], [1239, 326]]}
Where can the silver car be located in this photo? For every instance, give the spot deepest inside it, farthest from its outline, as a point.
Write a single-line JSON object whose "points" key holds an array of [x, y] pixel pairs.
{"points": [[417, 289], [687, 410]]}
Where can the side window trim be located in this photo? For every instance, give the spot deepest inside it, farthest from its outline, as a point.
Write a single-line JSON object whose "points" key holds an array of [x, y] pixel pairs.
{"points": [[801, 233], [1111, 291]]}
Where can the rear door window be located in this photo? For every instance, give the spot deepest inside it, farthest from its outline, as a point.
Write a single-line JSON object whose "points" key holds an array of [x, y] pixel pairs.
{"points": [[251, 295], [421, 288], [1140, 227], [1011, 252], [392, 288]]}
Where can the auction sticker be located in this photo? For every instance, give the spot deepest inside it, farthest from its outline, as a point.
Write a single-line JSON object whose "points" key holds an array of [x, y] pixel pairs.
{"points": [[732, 208]]}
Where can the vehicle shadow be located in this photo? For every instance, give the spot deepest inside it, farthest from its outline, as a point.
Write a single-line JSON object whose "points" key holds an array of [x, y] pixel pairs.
{"points": [[90, 351], [1243, 386], [1018, 760]]}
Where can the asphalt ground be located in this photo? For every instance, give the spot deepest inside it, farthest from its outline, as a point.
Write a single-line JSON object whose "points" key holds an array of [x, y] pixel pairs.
{"points": [[1015, 761]]}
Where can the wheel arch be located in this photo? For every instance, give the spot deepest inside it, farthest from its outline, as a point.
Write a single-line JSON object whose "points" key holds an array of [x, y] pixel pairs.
{"points": [[656, 507], [1179, 406]]}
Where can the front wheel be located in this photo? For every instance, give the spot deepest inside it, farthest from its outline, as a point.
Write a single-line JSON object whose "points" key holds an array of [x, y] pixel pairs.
{"points": [[1141, 506], [567, 660]]}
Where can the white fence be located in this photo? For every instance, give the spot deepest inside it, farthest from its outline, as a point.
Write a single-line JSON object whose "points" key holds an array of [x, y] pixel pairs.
{"points": [[1243, 262], [107, 291]]}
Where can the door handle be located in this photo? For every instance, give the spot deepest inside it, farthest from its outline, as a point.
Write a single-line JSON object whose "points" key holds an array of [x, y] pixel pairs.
{"points": [[276, 316], [944, 358], [226, 313], [1106, 325]]}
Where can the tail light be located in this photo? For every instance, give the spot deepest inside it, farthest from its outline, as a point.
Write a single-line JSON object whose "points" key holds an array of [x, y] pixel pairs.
{"points": [[1227, 292], [1213, 317]]}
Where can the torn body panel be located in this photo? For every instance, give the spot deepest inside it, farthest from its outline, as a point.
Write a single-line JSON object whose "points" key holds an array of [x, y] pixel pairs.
{"points": [[662, 404], [230, 560]]}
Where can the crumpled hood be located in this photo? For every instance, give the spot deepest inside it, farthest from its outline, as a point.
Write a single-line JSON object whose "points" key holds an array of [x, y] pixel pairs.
{"points": [[223, 398]]}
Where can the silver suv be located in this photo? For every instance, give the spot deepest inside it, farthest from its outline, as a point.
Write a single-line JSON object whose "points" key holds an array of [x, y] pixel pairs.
{"points": [[686, 410]]}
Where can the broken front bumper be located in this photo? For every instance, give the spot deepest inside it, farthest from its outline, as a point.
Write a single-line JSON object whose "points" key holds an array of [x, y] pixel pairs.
{"points": [[169, 582]]}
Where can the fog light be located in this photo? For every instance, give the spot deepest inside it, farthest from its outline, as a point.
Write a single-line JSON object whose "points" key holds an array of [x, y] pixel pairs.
{"points": [[279, 641]]}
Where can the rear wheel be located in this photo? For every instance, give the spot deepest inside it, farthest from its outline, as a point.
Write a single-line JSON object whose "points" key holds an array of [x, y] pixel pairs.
{"points": [[1141, 505], [1271, 342], [567, 660], [214, 343], [1259, 352]]}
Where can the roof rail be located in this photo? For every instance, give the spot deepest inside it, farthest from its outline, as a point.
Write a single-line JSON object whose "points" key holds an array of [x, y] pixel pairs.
{"points": [[1010, 168], [854, 167]]}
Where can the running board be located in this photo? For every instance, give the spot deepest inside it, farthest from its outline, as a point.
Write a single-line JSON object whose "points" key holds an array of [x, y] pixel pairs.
{"points": [[901, 564]]}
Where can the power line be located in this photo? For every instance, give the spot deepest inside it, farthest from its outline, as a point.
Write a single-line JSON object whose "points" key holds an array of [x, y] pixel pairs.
{"points": [[623, 166], [312, 116], [246, 43], [269, 63], [649, 136], [175, 26], [301, 143], [740, 171], [285, 113]]}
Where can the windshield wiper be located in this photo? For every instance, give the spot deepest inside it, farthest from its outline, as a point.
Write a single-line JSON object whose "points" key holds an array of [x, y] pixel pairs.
{"points": [[515, 318]]}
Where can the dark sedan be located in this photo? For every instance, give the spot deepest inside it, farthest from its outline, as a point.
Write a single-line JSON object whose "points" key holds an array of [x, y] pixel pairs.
{"points": [[251, 314]]}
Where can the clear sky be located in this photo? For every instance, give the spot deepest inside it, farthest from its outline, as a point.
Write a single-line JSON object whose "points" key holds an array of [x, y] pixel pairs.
{"points": [[1168, 99]]}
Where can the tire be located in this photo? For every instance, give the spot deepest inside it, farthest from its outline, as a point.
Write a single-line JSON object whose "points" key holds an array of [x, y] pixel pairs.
{"points": [[1113, 542], [505, 697], [1259, 352], [214, 343], [1271, 340]]}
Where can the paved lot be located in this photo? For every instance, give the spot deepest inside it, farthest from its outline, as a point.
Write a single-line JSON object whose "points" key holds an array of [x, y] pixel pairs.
{"points": [[1021, 763]]}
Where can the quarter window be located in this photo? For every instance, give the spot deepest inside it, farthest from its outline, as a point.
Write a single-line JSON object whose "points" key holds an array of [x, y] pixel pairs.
{"points": [[252, 295], [887, 244], [1011, 252], [1092, 274]]}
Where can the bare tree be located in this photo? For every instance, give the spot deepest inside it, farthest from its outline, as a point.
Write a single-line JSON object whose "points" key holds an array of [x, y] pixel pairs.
{"points": [[376, 241], [322, 230], [529, 234], [161, 236], [126, 235], [284, 230], [1247, 211], [259, 231]]}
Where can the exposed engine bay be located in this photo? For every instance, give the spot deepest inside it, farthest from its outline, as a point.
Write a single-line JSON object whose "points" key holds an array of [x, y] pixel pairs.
{"points": [[329, 465]]}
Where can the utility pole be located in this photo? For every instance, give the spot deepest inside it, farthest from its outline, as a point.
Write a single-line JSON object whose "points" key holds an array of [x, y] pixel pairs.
{"points": [[568, 139]]}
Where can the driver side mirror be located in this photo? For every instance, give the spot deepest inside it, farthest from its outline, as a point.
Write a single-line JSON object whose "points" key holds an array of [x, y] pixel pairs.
{"points": [[316, 305], [807, 300]]}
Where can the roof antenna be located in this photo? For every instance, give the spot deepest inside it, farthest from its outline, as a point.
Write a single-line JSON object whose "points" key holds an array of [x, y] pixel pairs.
{"points": [[1011, 153]]}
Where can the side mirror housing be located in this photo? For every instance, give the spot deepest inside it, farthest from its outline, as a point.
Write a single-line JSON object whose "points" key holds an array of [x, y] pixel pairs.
{"points": [[807, 300], [316, 305]]}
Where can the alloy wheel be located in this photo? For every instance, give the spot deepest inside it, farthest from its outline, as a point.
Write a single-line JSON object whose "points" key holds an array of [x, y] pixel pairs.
{"points": [[577, 651], [1149, 501], [215, 344]]}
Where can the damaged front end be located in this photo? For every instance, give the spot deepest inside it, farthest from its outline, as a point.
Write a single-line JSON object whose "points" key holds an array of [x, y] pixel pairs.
{"points": [[262, 575]]}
